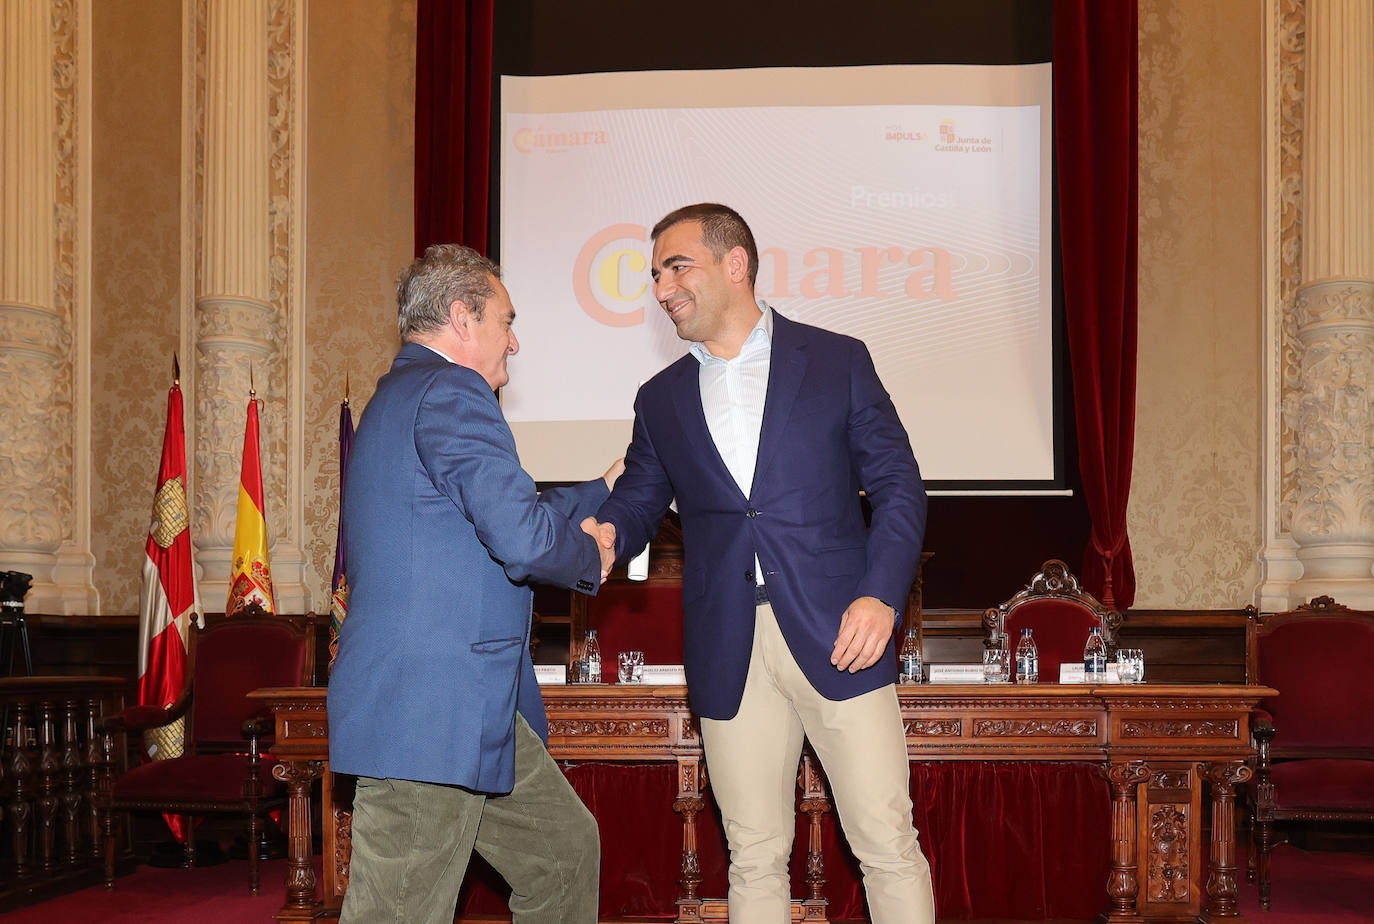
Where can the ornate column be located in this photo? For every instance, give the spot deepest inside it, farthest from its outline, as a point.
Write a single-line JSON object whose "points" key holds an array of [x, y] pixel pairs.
{"points": [[1221, 876], [1331, 408], [44, 337], [246, 313], [1123, 883]]}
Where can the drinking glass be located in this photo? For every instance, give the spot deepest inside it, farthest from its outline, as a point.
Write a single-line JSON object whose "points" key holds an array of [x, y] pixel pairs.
{"points": [[631, 666], [1130, 665], [996, 665]]}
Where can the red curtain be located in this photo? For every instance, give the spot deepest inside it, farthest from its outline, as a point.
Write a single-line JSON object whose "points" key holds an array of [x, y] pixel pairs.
{"points": [[1095, 141], [1005, 839], [452, 122]]}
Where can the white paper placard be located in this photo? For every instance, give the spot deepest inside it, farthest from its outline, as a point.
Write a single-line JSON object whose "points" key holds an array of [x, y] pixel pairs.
{"points": [[551, 674], [956, 673], [1073, 673], [664, 674]]}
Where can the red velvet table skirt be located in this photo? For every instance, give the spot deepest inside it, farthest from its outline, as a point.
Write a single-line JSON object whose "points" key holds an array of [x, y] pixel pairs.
{"points": [[1012, 839]]}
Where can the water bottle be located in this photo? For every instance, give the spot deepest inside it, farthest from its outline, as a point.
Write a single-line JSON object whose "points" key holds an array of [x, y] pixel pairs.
{"points": [[591, 659], [1027, 659], [910, 658], [1095, 657]]}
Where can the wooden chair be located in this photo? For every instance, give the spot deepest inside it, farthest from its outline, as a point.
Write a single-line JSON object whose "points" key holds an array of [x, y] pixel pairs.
{"points": [[1059, 611], [222, 769], [1315, 740], [636, 615]]}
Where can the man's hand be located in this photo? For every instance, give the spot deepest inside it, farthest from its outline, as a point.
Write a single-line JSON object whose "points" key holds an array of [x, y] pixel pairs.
{"points": [[604, 545], [864, 631], [605, 534], [615, 471]]}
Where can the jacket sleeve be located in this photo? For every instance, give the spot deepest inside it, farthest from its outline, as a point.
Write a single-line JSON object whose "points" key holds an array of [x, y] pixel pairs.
{"points": [[576, 502], [642, 493], [888, 473], [468, 452]]}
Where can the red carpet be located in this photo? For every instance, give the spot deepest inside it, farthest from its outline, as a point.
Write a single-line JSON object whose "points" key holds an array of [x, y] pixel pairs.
{"points": [[1309, 888]]}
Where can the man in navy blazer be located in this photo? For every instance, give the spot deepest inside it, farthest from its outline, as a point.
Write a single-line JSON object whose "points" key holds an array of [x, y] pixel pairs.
{"points": [[433, 702], [765, 433]]}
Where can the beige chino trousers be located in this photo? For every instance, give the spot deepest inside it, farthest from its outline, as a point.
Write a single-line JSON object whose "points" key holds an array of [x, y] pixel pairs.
{"points": [[751, 761]]}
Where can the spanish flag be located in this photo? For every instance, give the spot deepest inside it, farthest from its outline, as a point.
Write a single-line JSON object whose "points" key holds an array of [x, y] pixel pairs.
{"points": [[250, 577]]}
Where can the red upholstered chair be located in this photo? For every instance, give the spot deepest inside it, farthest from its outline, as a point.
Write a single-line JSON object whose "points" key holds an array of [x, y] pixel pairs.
{"points": [[1059, 611], [1315, 740], [222, 769], [636, 615]]}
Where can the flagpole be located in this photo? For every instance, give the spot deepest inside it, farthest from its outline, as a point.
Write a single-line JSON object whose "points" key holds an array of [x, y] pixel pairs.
{"points": [[338, 590]]}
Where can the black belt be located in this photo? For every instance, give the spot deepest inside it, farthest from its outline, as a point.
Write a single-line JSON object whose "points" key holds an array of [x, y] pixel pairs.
{"points": [[760, 594]]}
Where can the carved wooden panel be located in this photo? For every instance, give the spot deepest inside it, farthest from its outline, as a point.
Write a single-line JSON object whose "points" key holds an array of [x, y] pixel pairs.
{"points": [[1054, 728], [933, 728], [619, 728], [1168, 862], [1180, 728]]}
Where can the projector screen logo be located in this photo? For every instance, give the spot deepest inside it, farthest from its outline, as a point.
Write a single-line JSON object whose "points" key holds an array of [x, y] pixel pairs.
{"points": [[610, 274], [953, 142], [528, 140]]}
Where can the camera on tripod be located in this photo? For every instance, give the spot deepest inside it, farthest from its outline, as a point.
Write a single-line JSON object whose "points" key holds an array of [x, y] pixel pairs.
{"points": [[14, 630]]}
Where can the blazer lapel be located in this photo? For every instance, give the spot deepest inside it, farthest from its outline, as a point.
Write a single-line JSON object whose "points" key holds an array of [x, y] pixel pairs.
{"points": [[686, 390], [785, 374]]}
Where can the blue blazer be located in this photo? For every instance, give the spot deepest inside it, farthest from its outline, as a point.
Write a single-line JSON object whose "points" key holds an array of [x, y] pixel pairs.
{"points": [[829, 428], [444, 530]]}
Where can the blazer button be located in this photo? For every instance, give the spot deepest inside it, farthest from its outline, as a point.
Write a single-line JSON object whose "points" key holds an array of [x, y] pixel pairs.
{"points": [[751, 513], [749, 576]]}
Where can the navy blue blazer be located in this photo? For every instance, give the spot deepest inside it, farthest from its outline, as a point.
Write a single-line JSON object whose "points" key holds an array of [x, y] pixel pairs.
{"points": [[829, 428], [444, 530]]}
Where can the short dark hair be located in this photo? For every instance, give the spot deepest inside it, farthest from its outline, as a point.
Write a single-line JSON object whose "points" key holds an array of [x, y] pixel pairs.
{"points": [[722, 230], [445, 274]]}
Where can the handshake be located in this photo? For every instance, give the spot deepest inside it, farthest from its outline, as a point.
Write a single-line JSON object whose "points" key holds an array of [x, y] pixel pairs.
{"points": [[604, 534]]}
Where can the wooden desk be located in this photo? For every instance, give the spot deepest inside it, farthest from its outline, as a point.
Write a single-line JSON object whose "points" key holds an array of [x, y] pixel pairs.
{"points": [[1161, 749]]}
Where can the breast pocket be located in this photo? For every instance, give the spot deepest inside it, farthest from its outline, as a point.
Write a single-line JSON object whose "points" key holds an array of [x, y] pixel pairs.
{"points": [[496, 645]]}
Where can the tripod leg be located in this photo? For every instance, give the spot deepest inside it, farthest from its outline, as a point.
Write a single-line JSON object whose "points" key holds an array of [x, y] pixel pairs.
{"points": [[23, 627]]}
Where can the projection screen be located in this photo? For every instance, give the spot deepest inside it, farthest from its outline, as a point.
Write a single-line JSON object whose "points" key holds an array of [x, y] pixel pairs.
{"points": [[909, 206]]}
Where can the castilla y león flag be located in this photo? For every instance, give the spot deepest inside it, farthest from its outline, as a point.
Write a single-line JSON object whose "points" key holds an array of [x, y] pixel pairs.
{"points": [[250, 576], [168, 596]]}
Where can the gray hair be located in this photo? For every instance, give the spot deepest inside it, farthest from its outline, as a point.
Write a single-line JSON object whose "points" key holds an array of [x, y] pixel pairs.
{"points": [[445, 274]]}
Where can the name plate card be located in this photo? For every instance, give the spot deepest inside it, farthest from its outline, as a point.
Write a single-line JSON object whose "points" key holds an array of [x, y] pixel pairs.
{"points": [[551, 674], [956, 673], [1073, 673], [664, 674]]}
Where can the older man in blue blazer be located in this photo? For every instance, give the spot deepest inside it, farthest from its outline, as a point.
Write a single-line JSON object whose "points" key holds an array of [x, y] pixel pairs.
{"points": [[433, 701], [764, 433]]}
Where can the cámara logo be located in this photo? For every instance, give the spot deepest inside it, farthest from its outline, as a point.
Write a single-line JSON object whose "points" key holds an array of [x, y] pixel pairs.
{"points": [[610, 274], [537, 139]]}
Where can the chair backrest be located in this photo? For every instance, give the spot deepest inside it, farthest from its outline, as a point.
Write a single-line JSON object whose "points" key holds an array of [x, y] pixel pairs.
{"points": [[1319, 657], [636, 615], [235, 655], [1059, 612]]}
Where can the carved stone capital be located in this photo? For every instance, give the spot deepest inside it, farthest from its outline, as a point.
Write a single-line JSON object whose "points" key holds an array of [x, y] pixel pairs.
{"points": [[1334, 301]]}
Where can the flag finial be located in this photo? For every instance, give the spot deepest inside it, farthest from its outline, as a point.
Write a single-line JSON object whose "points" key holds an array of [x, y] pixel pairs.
{"points": [[176, 369], [252, 392], [345, 386]]}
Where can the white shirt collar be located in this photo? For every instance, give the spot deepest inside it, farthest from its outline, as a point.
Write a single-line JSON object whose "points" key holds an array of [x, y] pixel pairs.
{"points": [[760, 338], [433, 350]]}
